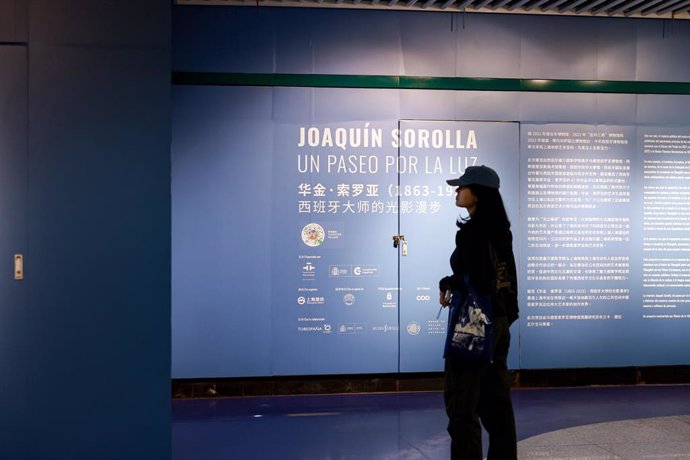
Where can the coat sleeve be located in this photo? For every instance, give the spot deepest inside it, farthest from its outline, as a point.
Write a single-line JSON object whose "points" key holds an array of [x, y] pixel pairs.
{"points": [[506, 281]]}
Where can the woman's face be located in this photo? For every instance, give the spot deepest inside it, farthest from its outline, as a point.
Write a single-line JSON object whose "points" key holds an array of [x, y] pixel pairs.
{"points": [[464, 198]]}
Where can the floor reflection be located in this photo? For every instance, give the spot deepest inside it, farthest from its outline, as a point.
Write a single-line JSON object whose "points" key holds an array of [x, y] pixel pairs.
{"points": [[587, 423]]}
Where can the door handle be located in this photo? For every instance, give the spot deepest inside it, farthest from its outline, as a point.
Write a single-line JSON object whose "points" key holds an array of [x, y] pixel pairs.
{"points": [[399, 240]]}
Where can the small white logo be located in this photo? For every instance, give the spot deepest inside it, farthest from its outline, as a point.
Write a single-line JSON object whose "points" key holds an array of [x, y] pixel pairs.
{"points": [[349, 299], [413, 328], [308, 267], [301, 300], [308, 272]]}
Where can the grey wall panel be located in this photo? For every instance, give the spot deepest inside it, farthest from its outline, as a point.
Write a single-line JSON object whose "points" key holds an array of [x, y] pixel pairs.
{"points": [[488, 46], [347, 42], [616, 49], [662, 47], [427, 44], [14, 21], [79, 22], [557, 49]]}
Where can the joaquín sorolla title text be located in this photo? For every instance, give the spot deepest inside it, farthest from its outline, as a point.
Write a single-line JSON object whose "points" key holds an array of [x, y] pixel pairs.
{"points": [[345, 139]]}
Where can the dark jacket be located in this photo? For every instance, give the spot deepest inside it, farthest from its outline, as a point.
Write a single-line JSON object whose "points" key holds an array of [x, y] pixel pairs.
{"points": [[487, 257]]}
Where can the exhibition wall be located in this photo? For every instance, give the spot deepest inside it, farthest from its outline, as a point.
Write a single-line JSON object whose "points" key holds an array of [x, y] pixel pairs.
{"points": [[299, 150], [85, 200]]}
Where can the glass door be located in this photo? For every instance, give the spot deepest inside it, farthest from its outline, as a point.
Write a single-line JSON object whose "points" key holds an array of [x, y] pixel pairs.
{"points": [[429, 153]]}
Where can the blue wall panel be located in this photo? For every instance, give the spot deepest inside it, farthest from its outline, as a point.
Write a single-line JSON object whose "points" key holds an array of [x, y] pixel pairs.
{"points": [[571, 107], [663, 109], [488, 106], [229, 40], [99, 218], [221, 280], [618, 109], [337, 106], [428, 105], [293, 105], [296, 38], [14, 402]]}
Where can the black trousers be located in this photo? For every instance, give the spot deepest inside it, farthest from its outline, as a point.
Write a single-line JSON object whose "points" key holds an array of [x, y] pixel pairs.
{"points": [[474, 393]]}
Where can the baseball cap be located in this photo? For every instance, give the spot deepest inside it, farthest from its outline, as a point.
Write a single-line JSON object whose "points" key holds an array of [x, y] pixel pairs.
{"points": [[477, 175]]}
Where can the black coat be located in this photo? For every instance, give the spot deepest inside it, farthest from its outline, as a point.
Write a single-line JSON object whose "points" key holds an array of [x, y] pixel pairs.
{"points": [[487, 257]]}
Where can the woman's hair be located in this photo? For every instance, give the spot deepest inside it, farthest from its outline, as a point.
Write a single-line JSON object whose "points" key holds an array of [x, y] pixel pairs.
{"points": [[489, 213]]}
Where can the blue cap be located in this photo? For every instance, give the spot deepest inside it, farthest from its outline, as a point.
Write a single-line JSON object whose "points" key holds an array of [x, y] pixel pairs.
{"points": [[477, 175]]}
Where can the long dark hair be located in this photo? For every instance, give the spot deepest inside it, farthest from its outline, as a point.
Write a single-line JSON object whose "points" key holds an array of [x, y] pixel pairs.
{"points": [[490, 213]]}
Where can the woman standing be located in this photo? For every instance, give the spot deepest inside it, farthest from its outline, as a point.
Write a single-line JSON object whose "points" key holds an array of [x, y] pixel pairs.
{"points": [[483, 254]]}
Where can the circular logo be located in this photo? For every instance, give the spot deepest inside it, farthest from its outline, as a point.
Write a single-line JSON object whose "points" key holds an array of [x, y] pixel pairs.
{"points": [[413, 328], [349, 299], [357, 271], [313, 235], [301, 300]]}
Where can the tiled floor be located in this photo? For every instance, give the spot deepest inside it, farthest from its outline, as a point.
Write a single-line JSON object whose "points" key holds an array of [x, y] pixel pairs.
{"points": [[630, 422]]}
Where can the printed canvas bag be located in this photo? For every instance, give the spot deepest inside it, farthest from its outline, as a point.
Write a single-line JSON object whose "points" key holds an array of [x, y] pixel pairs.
{"points": [[470, 326]]}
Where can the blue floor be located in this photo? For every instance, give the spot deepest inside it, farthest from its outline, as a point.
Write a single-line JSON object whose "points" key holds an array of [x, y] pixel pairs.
{"points": [[407, 425]]}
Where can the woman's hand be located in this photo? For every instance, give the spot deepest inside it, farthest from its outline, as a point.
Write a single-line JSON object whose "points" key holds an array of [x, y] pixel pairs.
{"points": [[442, 299]]}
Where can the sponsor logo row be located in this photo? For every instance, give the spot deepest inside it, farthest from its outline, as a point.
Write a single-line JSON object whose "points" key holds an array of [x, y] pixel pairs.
{"points": [[350, 299], [309, 270], [412, 328]]}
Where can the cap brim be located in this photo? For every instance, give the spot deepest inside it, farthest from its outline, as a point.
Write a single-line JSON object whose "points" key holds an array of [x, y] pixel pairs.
{"points": [[455, 182]]}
